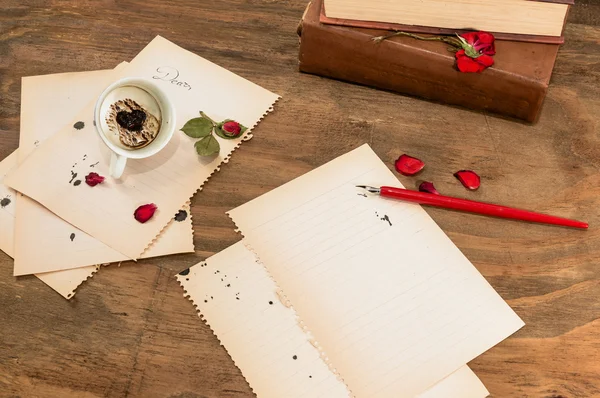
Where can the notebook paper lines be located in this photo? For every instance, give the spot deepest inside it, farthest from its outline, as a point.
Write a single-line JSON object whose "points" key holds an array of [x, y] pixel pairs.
{"points": [[267, 360], [249, 350], [359, 270]]}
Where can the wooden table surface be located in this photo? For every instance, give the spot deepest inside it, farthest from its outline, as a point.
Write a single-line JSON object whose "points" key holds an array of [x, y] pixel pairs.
{"points": [[129, 332]]}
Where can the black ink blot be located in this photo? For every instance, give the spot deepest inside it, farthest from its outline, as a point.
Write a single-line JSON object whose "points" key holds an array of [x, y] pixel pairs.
{"points": [[72, 237], [181, 215], [362, 194], [187, 279], [4, 202], [206, 301], [310, 377], [237, 298], [77, 182], [229, 285], [79, 125], [386, 218], [295, 357], [94, 122], [185, 272], [92, 165], [270, 302], [73, 175]]}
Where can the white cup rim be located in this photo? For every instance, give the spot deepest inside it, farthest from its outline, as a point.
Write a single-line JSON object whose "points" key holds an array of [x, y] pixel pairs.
{"points": [[167, 110]]}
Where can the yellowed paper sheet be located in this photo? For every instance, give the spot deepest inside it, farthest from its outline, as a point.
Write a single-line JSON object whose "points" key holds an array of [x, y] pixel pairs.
{"points": [[64, 282], [7, 206], [48, 103], [238, 300], [461, 384], [393, 302], [168, 178]]}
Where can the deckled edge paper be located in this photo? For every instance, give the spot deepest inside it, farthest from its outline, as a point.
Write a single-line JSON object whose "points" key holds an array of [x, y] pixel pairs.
{"points": [[64, 282], [7, 206], [235, 297], [259, 221], [40, 118], [211, 88]]}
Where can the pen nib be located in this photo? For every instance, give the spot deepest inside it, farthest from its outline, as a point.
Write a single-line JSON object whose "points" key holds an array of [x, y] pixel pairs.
{"points": [[368, 188]]}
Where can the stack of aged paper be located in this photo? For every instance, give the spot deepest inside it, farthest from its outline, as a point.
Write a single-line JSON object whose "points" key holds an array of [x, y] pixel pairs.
{"points": [[334, 294], [60, 229]]}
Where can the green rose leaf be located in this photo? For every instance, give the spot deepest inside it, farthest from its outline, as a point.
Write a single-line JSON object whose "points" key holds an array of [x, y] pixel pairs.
{"points": [[207, 146], [198, 127]]}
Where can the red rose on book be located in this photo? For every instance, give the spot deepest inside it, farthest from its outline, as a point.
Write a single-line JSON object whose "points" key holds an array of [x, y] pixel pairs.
{"points": [[482, 42], [467, 64], [476, 52]]}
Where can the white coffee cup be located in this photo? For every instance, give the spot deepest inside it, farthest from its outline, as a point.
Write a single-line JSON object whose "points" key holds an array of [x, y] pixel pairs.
{"points": [[149, 97]]}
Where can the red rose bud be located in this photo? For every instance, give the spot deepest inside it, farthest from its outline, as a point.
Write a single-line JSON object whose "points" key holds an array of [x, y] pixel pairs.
{"points": [[468, 178], [93, 179], [231, 128], [145, 212], [408, 166], [428, 187]]}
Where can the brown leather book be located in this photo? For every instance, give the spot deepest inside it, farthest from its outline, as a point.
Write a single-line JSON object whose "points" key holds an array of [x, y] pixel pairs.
{"points": [[515, 86]]}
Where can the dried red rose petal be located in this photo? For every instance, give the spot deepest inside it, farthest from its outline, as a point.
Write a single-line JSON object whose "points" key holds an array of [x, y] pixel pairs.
{"points": [[408, 165], [468, 178], [145, 212], [93, 179], [427, 186]]}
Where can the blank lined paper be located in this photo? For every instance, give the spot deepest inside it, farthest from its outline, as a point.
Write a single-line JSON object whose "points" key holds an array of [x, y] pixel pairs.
{"points": [[238, 300], [393, 302]]}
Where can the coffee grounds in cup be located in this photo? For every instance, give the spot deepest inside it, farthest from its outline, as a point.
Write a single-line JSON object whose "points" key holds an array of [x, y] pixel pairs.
{"points": [[135, 126]]}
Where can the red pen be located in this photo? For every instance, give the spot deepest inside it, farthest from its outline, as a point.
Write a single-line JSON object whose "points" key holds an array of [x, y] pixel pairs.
{"points": [[472, 206]]}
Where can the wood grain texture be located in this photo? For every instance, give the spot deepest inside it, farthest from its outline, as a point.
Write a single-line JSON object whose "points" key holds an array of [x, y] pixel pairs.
{"points": [[130, 333]]}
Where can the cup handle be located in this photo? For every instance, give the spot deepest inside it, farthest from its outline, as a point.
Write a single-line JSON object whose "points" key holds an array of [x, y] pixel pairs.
{"points": [[117, 165]]}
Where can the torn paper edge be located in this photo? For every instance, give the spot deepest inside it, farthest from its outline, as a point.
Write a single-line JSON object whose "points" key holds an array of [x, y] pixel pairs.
{"points": [[71, 294], [203, 319], [247, 136], [287, 303]]}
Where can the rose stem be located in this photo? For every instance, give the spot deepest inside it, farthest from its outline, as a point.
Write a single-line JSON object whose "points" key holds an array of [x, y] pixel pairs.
{"points": [[448, 40], [204, 115]]}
